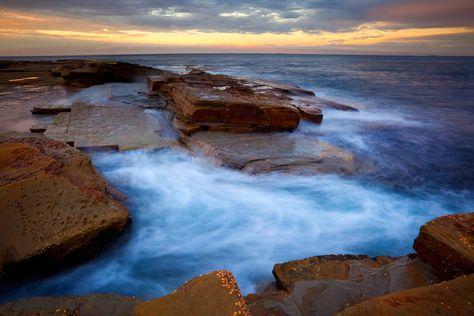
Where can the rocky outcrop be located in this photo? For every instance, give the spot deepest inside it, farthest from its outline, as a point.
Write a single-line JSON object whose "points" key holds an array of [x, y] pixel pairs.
{"points": [[55, 207], [324, 285], [72, 73], [447, 298], [89, 73], [220, 102], [447, 243], [88, 305], [262, 152], [215, 293]]}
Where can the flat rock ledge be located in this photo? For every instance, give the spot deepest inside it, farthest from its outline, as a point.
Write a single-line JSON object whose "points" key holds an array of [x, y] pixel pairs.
{"points": [[257, 153], [110, 127], [55, 206]]}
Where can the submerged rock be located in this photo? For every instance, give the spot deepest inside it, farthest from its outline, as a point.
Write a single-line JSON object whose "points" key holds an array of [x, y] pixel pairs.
{"points": [[215, 293], [324, 285], [87, 305], [55, 206], [447, 298], [447, 243], [262, 152]]}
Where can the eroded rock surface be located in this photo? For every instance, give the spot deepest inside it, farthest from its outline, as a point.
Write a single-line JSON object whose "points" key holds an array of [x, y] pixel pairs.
{"points": [[112, 127], [324, 285], [88, 305], [264, 152], [54, 204], [447, 243], [215, 293], [454, 298], [225, 103]]}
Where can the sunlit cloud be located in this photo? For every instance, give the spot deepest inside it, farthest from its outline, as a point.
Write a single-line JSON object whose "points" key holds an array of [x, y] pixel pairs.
{"points": [[253, 26]]}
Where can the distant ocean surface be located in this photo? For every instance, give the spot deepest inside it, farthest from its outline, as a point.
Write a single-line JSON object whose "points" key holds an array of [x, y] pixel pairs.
{"points": [[415, 129]]}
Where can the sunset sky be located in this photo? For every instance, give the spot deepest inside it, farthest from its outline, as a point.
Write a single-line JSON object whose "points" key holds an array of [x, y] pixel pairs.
{"points": [[62, 27]]}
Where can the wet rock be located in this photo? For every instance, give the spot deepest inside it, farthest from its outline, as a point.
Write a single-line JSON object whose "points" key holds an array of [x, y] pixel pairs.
{"points": [[225, 103], [88, 305], [55, 207], [324, 285], [100, 72], [447, 243], [455, 297], [38, 128], [215, 293], [50, 108], [322, 103], [262, 152], [112, 127]]}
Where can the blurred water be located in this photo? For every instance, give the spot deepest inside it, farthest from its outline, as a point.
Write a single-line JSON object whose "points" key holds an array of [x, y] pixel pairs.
{"points": [[190, 217]]}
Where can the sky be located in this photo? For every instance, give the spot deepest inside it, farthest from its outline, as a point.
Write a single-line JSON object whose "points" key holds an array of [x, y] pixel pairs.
{"points": [[403, 27]]}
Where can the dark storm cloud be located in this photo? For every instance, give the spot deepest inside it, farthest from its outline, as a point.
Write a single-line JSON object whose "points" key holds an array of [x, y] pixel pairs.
{"points": [[257, 16]]}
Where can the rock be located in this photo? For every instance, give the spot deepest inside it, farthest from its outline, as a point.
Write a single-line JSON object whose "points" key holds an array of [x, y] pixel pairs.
{"points": [[88, 305], [262, 152], [215, 293], [48, 108], [447, 243], [218, 102], [100, 72], [38, 128], [324, 285], [322, 103], [454, 298], [55, 207], [112, 127]]}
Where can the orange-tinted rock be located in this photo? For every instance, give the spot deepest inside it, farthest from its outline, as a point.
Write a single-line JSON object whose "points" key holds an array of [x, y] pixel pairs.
{"points": [[447, 243], [455, 297], [324, 285], [215, 293], [54, 205], [88, 305], [218, 102]]}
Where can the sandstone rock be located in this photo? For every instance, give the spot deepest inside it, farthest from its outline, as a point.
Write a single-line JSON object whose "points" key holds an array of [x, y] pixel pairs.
{"points": [[455, 298], [54, 205], [324, 285], [225, 103], [447, 243], [262, 152], [88, 305], [111, 127], [38, 128], [215, 293]]}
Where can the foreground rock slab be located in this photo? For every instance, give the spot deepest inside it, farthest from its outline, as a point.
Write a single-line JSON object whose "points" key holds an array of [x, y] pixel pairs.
{"points": [[215, 293], [88, 305], [447, 243], [111, 127], [263, 152], [55, 207], [454, 298], [324, 285]]}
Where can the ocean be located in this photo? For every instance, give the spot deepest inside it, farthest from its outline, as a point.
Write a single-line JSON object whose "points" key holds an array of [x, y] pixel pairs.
{"points": [[414, 129]]}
